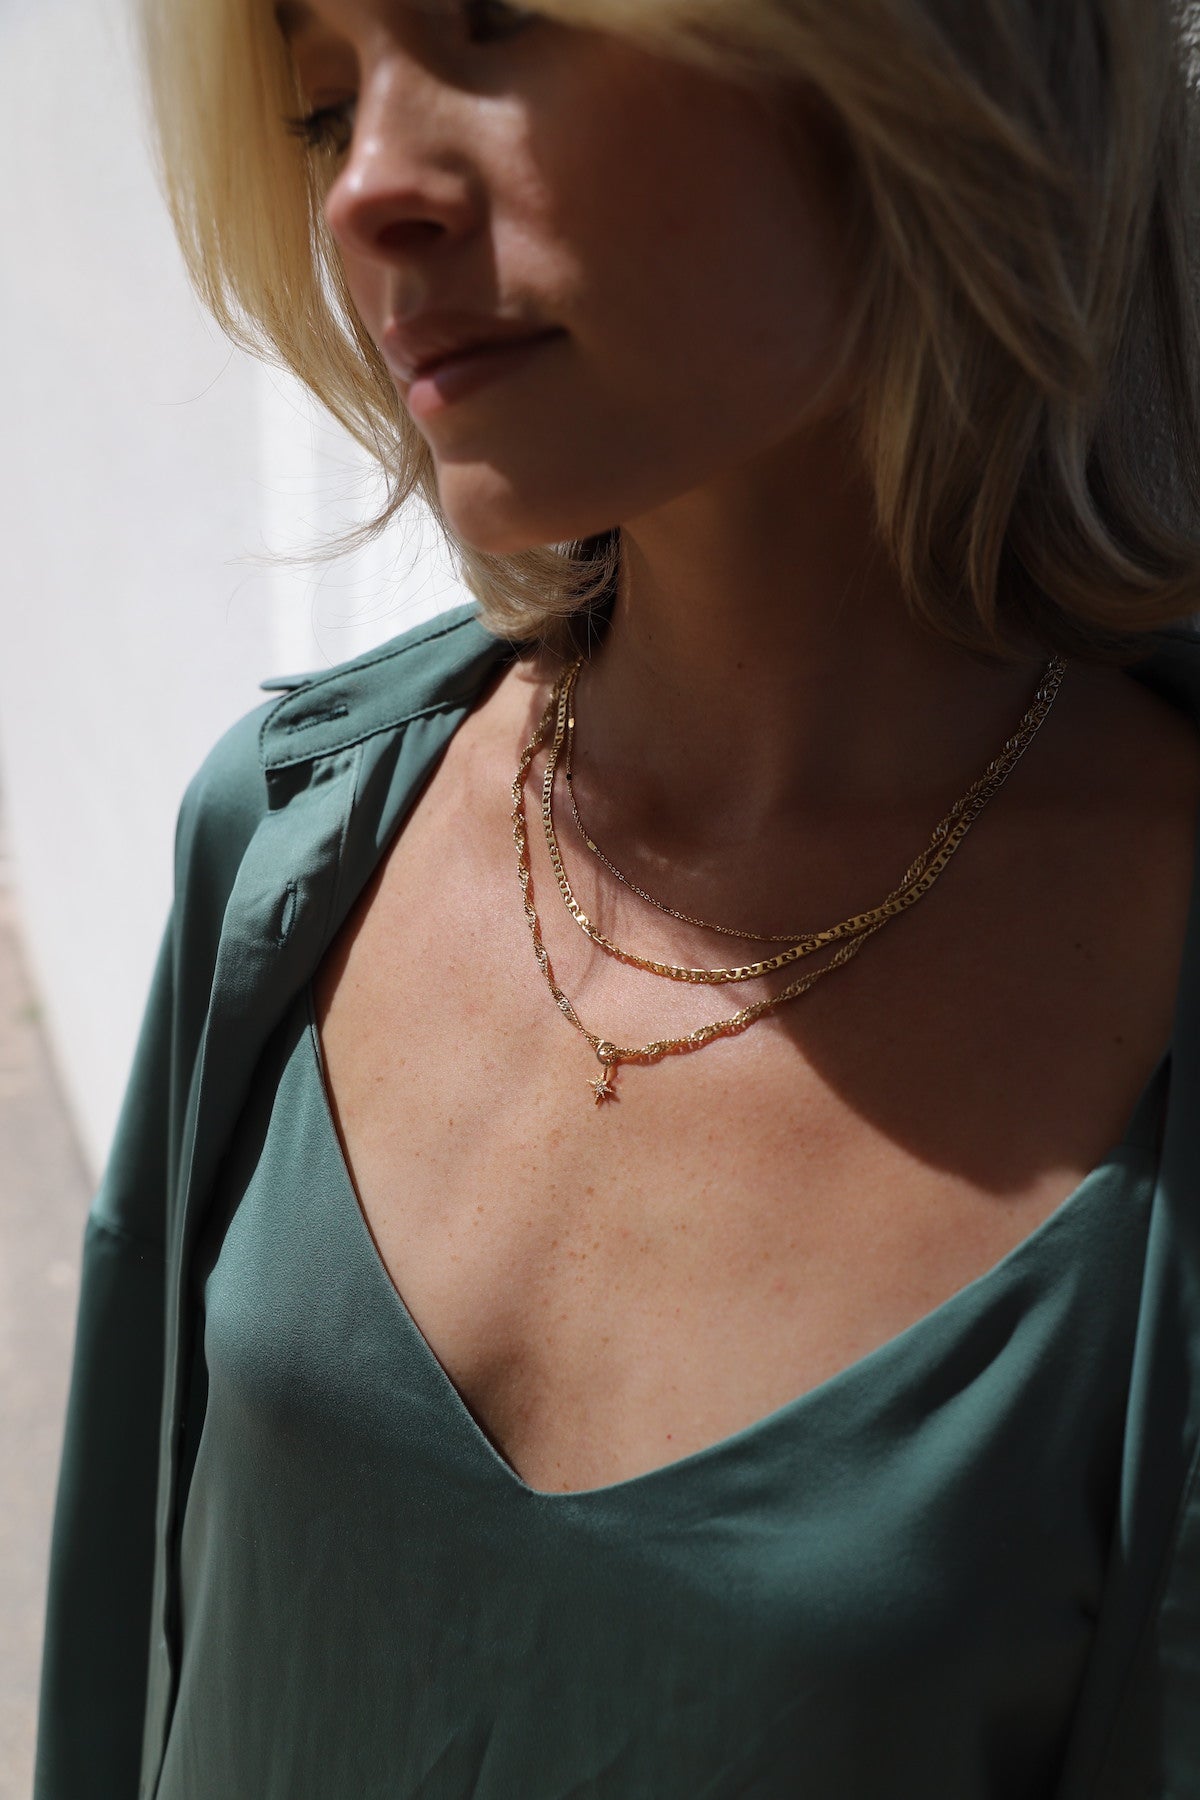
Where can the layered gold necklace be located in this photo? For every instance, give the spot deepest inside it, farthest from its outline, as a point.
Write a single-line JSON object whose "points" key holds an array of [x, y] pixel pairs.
{"points": [[847, 938]]}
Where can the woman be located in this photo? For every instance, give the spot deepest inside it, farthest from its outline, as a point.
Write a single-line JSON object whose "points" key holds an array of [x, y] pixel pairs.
{"points": [[529, 1347]]}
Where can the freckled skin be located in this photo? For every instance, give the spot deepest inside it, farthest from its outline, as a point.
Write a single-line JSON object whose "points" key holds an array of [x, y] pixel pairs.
{"points": [[672, 391], [765, 734]]}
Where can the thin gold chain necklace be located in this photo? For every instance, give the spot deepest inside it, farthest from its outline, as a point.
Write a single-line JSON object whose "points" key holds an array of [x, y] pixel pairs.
{"points": [[920, 876], [749, 937], [610, 1055]]}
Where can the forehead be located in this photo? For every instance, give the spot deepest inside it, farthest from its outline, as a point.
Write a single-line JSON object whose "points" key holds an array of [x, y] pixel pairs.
{"points": [[295, 17]]}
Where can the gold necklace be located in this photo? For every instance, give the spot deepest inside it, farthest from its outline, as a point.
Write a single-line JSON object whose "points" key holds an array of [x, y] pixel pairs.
{"points": [[916, 882], [609, 1055], [750, 937]]}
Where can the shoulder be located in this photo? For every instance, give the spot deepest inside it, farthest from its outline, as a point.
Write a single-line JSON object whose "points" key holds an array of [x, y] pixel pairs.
{"points": [[310, 714], [436, 666], [1170, 671], [1127, 736]]}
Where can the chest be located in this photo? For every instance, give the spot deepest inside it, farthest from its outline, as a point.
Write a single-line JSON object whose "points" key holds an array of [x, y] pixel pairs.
{"points": [[759, 1597], [610, 1288]]}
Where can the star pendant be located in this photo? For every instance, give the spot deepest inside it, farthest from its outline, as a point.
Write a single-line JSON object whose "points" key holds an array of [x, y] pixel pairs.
{"points": [[601, 1088]]}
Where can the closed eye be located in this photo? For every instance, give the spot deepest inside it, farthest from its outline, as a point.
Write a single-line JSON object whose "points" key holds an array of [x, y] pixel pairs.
{"points": [[491, 21], [327, 128]]}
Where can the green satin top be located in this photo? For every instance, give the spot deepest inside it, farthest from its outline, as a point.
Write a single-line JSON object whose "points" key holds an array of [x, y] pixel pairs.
{"points": [[887, 1587]]}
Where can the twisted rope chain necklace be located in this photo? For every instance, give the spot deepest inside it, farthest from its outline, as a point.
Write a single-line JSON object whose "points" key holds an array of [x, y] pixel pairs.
{"points": [[849, 936]]}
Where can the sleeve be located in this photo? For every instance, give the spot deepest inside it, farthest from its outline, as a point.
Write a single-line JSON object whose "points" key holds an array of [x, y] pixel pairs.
{"points": [[98, 1636], [96, 1647]]}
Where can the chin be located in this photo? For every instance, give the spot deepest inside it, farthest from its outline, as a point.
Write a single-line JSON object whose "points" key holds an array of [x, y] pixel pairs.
{"points": [[502, 525]]}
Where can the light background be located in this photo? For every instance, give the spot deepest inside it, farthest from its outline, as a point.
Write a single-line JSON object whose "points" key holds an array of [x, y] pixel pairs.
{"points": [[144, 464]]}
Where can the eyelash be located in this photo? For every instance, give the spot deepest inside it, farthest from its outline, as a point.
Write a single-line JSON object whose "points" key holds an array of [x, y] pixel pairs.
{"points": [[513, 19], [329, 128]]}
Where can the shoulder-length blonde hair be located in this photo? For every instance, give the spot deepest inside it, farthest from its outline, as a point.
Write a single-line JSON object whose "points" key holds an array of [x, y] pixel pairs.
{"points": [[1024, 288]]}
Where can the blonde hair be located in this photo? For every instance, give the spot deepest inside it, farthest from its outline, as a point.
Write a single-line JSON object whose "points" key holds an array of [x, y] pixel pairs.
{"points": [[1023, 281]]}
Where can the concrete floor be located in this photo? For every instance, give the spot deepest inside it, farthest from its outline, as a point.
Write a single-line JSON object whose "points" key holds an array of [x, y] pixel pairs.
{"points": [[44, 1194]]}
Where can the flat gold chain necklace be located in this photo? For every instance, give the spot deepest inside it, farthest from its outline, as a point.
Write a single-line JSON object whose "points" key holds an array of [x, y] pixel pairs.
{"points": [[920, 876], [610, 1055]]}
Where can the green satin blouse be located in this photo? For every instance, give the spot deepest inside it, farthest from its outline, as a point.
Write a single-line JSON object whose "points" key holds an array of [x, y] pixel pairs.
{"points": [[885, 1588]]}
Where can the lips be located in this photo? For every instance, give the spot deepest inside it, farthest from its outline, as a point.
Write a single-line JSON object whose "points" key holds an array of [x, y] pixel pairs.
{"points": [[417, 346], [484, 345], [450, 378], [481, 350]]}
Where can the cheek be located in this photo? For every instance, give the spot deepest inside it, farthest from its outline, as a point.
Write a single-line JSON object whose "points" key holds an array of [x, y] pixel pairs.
{"points": [[713, 256], [366, 280], [696, 266]]}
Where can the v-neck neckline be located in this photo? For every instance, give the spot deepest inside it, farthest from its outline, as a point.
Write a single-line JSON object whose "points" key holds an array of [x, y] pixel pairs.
{"points": [[920, 1339], [930, 1328]]}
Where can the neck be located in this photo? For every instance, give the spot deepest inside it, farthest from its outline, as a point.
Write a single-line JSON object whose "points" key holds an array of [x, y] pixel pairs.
{"points": [[761, 665]]}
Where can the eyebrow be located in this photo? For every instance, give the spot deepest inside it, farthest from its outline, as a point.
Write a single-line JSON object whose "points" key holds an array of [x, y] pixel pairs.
{"points": [[296, 16], [293, 17]]}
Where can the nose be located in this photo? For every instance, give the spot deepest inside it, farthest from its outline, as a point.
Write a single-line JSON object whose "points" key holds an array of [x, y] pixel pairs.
{"points": [[406, 183]]}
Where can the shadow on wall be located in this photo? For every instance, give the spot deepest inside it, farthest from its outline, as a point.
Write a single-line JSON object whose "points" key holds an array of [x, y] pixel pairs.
{"points": [[44, 1193]]}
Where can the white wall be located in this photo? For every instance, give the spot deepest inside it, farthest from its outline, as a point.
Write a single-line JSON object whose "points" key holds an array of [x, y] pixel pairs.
{"points": [[142, 463]]}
